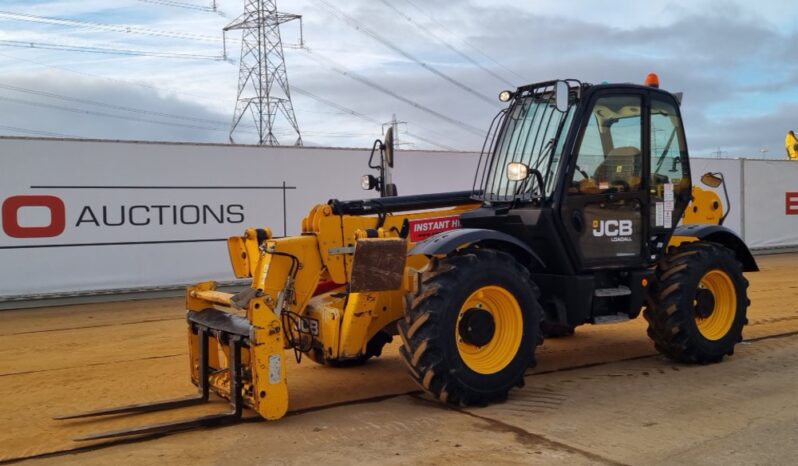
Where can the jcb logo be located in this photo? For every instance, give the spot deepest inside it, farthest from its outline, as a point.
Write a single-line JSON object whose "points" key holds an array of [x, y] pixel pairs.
{"points": [[612, 228], [308, 325]]}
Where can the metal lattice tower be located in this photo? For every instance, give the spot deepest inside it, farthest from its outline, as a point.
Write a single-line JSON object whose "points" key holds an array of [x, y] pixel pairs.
{"points": [[263, 88]]}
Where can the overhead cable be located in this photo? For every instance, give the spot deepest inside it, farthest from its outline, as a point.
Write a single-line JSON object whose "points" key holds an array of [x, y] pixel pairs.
{"points": [[187, 6], [12, 16], [446, 44], [466, 42], [106, 50], [106, 115], [362, 79], [365, 30], [35, 132], [364, 117], [53, 95]]}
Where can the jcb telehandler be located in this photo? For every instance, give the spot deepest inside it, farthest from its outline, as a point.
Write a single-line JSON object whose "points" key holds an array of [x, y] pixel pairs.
{"points": [[572, 219]]}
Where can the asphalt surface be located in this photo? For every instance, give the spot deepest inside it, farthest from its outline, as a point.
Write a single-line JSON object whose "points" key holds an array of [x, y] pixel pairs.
{"points": [[601, 396]]}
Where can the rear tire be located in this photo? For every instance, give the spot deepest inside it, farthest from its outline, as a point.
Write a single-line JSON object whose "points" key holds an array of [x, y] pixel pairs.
{"points": [[470, 332], [696, 309]]}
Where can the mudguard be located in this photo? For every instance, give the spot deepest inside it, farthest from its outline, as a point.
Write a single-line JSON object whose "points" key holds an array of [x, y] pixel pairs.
{"points": [[449, 241], [721, 235]]}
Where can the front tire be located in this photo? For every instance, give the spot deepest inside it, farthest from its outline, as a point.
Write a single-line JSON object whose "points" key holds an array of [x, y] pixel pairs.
{"points": [[697, 309], [471, 331]]}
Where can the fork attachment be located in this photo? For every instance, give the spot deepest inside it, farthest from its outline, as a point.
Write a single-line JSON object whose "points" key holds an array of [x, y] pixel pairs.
{"points": [[235, 342]]}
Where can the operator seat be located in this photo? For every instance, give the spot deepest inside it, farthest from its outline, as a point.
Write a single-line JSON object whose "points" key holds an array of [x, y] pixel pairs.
{"points": [[622, 164]]}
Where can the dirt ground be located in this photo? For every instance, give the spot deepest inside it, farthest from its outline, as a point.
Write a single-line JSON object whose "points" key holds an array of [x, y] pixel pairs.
{"points": [[601, 396]]}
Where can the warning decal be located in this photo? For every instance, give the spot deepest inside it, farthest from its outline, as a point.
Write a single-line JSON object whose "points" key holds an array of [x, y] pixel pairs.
{"points": [[423, 228]]}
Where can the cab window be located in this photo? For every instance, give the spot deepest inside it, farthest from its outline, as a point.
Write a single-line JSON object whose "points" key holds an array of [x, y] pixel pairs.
{"points": [[610, 157], [669, 176]]}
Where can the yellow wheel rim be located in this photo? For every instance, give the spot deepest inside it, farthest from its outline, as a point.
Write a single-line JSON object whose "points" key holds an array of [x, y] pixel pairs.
{"points": [[720, 319], [508, 320]]}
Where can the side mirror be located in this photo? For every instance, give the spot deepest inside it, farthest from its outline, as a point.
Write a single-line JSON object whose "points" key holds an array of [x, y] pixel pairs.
{"points": [[711, 179], [561, 96], [388, 147]]}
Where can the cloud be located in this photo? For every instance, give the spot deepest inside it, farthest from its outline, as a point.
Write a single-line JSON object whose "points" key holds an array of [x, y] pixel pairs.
{"points": [[733, 60]]}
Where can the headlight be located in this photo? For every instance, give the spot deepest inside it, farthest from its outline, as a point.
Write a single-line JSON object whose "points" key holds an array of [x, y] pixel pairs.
{"points": [[368, 182], [517, 171], [505, 96]]}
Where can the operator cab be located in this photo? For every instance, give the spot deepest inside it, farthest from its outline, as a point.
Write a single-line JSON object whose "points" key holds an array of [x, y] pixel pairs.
{"points": [[604, 165], [594, 179]]}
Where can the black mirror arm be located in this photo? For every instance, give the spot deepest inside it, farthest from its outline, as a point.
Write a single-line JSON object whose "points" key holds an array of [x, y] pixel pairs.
{"points": [[726, 195], [377, 143]]}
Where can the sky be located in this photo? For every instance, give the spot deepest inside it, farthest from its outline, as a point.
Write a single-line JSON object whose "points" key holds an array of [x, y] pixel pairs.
{"points": [[437, 65]]}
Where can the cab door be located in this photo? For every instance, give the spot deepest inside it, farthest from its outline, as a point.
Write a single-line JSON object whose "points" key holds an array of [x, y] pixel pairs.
{"points": [[606, 192]]}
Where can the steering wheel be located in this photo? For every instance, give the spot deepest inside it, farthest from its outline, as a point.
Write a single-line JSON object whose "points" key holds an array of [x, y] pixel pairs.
{"points": [[623, 184]]}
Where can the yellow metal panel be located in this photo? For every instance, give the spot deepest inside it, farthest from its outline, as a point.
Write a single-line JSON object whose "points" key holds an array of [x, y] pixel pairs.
{"points": [[193, 303], [356, 320], [272, 276], [270, 390], [327, 310], [239, 258], [705, 208], [213, 297], [677, 240]]}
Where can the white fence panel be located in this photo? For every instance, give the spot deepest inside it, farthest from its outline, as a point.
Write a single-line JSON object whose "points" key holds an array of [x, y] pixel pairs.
{"points": [[94, 215], [97, 215], [771, 203]]}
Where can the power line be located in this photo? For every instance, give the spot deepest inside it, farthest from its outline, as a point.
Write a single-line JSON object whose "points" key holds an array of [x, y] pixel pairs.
{"points": [[93, 75], [466, 42], [187, 6], [330, 103], [201, 120], [8, 15], [107, 115], [365, 30], [115, 80], [36, 132], [364, 117], [106, 50], [447, 44], [357, 77], [433, 143], [53, 95]]}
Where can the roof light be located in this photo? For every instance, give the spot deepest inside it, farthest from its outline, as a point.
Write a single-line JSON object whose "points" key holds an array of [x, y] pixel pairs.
{"points": [[505, 96], [652, 80]]}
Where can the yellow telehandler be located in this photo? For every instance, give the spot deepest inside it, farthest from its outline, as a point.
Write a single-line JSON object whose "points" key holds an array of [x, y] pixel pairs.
{"points": [[572, 219]]}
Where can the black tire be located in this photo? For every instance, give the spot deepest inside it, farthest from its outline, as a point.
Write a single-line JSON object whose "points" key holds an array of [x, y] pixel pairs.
{"points": [[431, 328], [674, 304]]}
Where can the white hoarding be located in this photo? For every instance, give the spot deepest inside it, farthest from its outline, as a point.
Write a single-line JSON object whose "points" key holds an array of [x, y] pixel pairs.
{"points": [[771, 203], [100, 215], [92, 215]]}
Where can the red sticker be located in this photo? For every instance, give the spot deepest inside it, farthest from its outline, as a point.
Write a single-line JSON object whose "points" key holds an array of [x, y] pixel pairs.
{"points": [[423, 228]]}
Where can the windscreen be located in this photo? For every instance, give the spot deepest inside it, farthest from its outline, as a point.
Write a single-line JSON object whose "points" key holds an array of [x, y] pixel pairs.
{"points": [[527, 132]]}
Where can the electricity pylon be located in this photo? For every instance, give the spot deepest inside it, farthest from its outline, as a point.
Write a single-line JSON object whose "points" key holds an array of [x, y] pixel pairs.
{"points": [[262, 81]]}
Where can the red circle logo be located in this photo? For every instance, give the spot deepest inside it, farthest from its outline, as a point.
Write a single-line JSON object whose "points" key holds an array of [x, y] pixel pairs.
{"points": [[11, 224]]}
